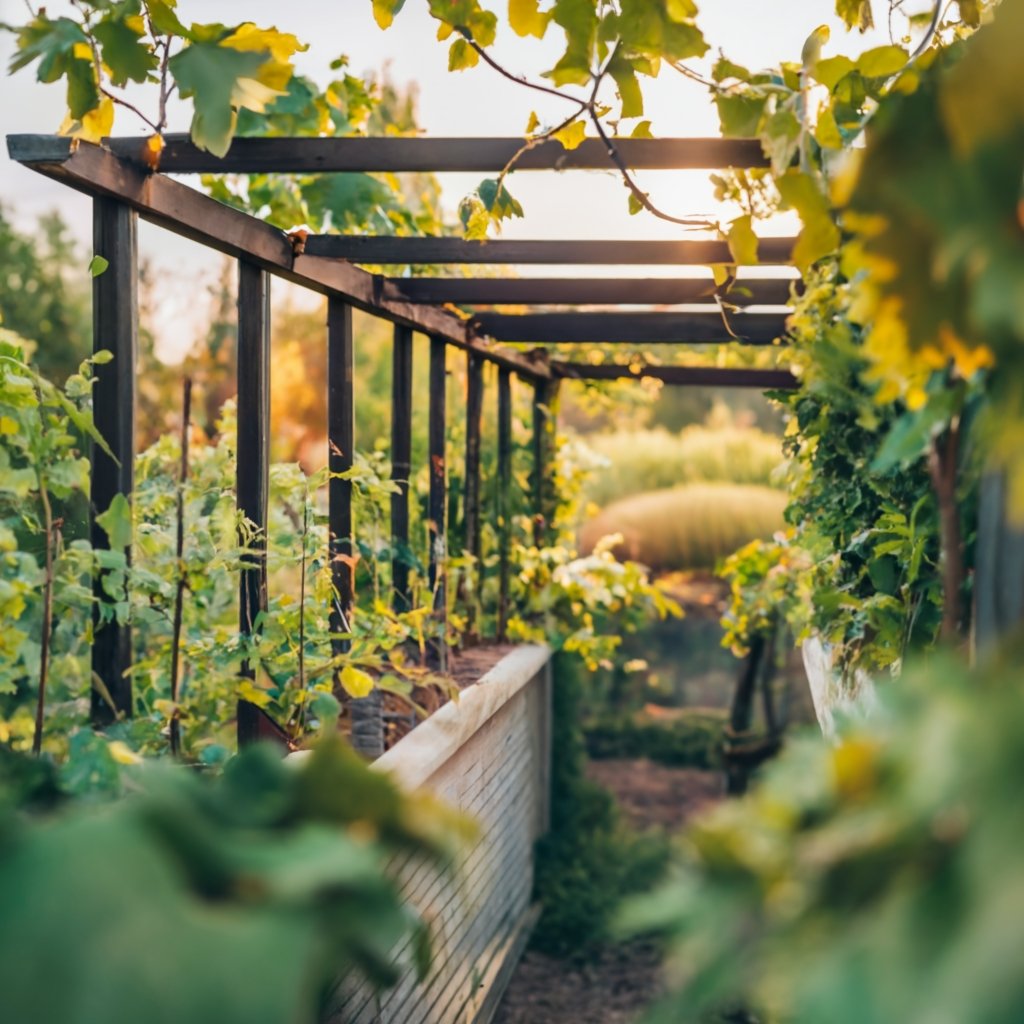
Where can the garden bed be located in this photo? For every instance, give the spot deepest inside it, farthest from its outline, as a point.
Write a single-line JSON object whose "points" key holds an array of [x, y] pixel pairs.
{"points": [[487, 755]]}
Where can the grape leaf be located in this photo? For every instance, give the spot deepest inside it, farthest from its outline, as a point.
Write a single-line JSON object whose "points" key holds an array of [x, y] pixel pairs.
{"points": [[124, 52], [210, 74]]}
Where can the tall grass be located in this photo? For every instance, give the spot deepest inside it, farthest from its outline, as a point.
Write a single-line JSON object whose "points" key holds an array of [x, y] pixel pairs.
{"points": [[648, 460], [688, 527]]}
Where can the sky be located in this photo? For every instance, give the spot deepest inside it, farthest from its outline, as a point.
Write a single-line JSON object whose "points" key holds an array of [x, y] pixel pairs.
{"points": [[476, 102]]}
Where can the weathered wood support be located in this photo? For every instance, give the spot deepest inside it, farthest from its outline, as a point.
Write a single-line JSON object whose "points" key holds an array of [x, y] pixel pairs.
{"points": [[401, 465], [437, 511], [585, 291], [253, 465], [417, 249], [397, 154], [999, 576], [504, 490], [545, 394], [367, 721], [472, 542], [115, 321]]}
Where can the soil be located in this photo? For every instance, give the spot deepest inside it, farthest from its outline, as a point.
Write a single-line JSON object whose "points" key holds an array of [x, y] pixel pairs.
{"points": [[465, 667], [624, 980], [650, 794]]}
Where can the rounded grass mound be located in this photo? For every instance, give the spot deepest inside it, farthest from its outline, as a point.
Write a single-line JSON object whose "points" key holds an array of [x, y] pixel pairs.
{"points": [[689, 527], [647, 460]]}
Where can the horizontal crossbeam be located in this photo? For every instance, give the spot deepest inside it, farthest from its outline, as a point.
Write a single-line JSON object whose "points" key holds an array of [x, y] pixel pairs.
{"points": [[693, 376], [632, 328], [684, 252], [96, 171], [584, 291], [483, 155]]}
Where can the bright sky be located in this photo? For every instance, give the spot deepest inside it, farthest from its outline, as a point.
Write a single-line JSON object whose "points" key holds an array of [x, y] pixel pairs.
{"points": [[473, 102]]}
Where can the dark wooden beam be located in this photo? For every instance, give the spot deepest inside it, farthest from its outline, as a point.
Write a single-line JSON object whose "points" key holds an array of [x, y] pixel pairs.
{"points": [[471, 485], [633, 328], [367, 723], [437, 501], [115, 320], [385, 153], [169, 204], [504, 492], [692, 376], [584, 291], [401, 465], [253, 465], [387, 249]]}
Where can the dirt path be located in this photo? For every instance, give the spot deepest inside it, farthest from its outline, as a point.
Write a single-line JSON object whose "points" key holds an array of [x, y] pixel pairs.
{"points": [[625, 979]]}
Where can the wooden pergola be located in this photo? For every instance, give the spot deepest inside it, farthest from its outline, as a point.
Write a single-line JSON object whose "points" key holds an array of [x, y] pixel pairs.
{"points": [[124, 188]]}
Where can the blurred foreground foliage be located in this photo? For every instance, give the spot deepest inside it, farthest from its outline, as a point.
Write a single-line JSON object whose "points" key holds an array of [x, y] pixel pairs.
{"points": [[238, 899], [875, 880]]}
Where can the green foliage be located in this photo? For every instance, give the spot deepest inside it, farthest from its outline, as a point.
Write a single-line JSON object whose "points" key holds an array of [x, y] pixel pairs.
{"points": [[383, 204], [866, 882], [689, 527], [101, 47], [43, 429], [769, 586], [692, 739], [649, 460], [44, 294], [238, 899], [588, 861]]}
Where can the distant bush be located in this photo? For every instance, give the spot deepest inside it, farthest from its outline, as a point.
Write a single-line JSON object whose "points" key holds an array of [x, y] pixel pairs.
{"points": [[590, 860], [689, 527], [691, 740], [648, 460]]}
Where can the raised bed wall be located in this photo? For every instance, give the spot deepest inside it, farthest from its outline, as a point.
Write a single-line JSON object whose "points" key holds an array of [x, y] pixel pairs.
{"points": [[487, 755]]}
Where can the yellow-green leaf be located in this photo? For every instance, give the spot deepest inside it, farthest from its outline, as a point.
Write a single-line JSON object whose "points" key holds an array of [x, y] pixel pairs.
{"points": [[250, 692], [831, 69], [355, 681], [819, 236], [527, 19], [881, 61], [642, 131], [384, 11], [742, 240], [462, 56], [572, 135], [826, 131]]}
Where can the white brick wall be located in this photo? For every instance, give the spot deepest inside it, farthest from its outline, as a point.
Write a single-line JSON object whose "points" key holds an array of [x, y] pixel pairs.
{"points": [[487, 755]]}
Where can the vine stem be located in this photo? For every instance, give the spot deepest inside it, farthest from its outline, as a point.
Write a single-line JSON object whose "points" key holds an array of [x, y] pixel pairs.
{"points": [[588, 106], [47, 627], [179, 554]]}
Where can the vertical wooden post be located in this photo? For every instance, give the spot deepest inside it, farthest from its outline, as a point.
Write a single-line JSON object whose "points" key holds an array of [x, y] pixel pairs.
{"points": [[115, 320], [253, 463], [544, 396], [504, 488], [366, 712], [437, 519], [471, 499], [401, 465]]}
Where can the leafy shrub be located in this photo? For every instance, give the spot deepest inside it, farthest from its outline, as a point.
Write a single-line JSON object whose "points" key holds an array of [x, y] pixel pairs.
{"points": [[692, 739], [872, 881], [689, 527], [238, 900], [589, 861], [650, 460]]}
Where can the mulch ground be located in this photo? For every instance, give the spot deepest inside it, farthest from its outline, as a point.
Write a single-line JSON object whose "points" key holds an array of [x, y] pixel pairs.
{"points": [[624, 980]]}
